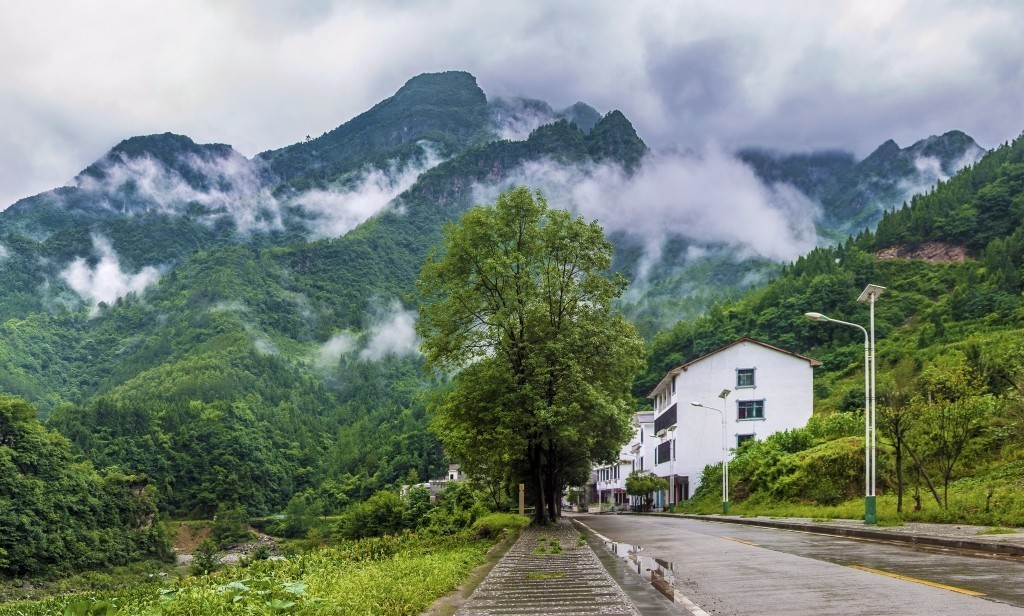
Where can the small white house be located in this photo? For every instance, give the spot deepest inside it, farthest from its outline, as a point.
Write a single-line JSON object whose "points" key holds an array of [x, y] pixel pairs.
{"points": [[754, 388]]}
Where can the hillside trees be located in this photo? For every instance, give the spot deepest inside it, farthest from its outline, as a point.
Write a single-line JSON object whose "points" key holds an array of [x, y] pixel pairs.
{"points": [[517, 302], [57, 514]]}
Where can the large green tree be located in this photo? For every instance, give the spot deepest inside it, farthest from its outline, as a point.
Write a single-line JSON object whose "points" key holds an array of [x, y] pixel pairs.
{"points": [[518, 303]]}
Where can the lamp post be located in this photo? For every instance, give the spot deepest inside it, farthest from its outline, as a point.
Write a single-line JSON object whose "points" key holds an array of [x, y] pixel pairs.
{"points": [[870, 293], [672, 467], [725, 449]]}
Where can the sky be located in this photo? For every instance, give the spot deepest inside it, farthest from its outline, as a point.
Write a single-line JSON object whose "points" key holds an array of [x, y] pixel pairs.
{"points": [[78, 77]]}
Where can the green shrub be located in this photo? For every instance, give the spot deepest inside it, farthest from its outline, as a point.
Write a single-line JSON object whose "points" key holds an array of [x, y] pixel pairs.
{"points": [[204, 559], [230, 526], [495, 524], [382, 514]]}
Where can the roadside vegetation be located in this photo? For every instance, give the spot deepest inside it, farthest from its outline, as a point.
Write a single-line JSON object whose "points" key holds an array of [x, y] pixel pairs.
{"points": [[390, 555]]}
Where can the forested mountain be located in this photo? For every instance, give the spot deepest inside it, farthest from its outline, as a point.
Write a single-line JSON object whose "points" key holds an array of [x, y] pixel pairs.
{"points": [[188, 325], [240, 330], [950, 329], [855, 194]]}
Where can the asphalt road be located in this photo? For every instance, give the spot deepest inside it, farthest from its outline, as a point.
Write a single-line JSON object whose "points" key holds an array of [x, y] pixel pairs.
{"points": [[731, 569]]}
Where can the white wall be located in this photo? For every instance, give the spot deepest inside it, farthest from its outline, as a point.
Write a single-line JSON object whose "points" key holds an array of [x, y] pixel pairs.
{"points": [[783, 381]]}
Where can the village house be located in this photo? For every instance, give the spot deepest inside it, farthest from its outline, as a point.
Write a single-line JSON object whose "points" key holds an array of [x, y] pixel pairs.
{"points": [[754, 388]]}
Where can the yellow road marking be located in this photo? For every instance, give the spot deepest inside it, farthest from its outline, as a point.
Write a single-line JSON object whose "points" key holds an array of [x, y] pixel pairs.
{"points": [[740, 541], [964, 591]]}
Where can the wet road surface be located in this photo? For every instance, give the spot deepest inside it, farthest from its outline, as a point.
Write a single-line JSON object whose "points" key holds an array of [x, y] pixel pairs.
{"points": [[736, 569]]}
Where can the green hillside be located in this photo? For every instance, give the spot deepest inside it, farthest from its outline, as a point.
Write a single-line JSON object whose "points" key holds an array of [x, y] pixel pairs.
{"points": [[950, 334]]}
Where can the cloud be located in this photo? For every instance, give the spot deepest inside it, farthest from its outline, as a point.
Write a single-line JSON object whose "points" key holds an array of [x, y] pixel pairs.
{"points": [[395, 334], [4, 253], [710, 199], [227, 185], [788, 75], [930, 171], [106, 281], [340, 344], [340, 209], [517, 117]]}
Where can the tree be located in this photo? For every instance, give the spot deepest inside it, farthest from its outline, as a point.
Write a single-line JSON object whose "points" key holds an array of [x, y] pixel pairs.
{"points": [[643, 484], [518, 303], [895, 413]]}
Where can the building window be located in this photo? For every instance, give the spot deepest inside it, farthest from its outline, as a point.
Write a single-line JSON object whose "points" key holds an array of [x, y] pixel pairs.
{"points": [[743, 438], [673, 386], [751, 409], [744, 377], [663, 453], [666, 420]]}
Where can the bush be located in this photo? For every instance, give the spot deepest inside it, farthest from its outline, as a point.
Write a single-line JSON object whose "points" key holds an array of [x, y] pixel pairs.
{"points": [[204, 560], [494, 524], [231, 526], [382, 514], [828, 474]]}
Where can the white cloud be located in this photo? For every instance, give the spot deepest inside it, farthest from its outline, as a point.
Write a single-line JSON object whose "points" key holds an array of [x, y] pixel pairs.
{"points": [[107, 281], [340, 344], [339, 210], [395, 334], [709, 199], [786, 75], [234, 189]]}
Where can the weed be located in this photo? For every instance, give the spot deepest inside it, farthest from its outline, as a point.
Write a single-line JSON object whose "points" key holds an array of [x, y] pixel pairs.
{"points": [[544, 575], [999, 530]]}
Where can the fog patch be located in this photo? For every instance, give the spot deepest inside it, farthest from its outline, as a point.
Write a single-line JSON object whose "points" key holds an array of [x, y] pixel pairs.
{"points": [[224, 186], [708, 199], [4, 253], [930, 171], [394, 334], [338, 210], [106, 281], [331, 352], [264, 346], [516, 118]]}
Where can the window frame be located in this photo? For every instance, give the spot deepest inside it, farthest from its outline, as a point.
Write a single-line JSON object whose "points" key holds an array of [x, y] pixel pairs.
{"points": [[754, 404], [744, 371]]}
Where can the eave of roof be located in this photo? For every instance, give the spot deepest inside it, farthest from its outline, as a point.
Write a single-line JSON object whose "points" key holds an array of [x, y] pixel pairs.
{"points": [[814, 363]]}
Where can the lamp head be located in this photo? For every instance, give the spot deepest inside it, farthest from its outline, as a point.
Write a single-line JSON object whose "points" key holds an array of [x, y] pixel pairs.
{"points": [[725, 394], [696, 404], [816, 316]]}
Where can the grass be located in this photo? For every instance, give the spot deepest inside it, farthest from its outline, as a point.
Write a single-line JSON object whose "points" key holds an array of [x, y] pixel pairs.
{"points": [[386, 576], [544, 575], [969, 503], [999, 530]]}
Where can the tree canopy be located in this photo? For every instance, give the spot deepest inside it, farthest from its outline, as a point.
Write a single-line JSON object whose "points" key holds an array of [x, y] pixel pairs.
{"points": [[518, 301]]}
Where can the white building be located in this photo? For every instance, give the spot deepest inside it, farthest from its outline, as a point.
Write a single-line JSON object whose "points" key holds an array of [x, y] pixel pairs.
{"points": [[769, 390], [610, 480]]}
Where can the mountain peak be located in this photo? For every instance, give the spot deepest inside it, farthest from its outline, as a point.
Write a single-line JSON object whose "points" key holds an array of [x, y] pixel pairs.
{"points": [[173, 151], [614, 137], [446, 89]]}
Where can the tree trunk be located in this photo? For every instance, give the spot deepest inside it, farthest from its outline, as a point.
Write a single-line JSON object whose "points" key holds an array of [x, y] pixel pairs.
{"points": [[540, 510], [899, 475], [921, 472]]}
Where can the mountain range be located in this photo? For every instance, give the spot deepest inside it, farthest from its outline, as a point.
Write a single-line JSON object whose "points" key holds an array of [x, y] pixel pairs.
{"points": [[241, 329]]}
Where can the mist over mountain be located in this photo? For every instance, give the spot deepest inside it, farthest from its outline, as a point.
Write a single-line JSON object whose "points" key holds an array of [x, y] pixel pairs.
{"points": [[854, 194], [177, 294]]}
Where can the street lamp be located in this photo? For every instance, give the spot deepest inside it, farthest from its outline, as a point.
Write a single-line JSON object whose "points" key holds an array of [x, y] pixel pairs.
{"points": [[870, 293], [672, 467], [725, 449]]}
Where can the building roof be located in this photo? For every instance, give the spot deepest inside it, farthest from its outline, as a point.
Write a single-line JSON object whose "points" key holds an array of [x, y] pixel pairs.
{"points": [[644, 417], [814, 363]]}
